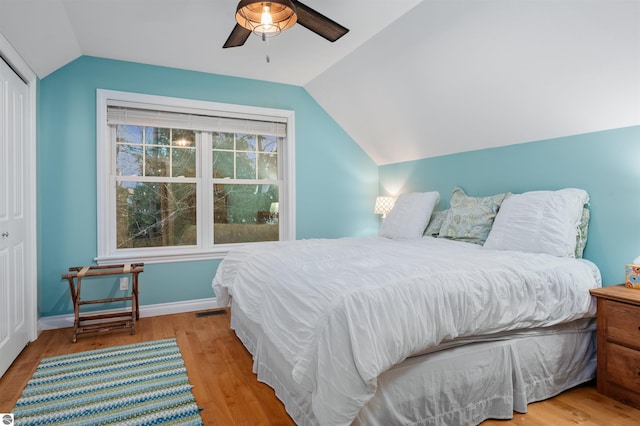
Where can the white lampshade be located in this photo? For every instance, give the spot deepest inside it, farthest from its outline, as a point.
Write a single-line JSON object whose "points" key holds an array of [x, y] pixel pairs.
{"points": [[274, 208], [383, 205]]}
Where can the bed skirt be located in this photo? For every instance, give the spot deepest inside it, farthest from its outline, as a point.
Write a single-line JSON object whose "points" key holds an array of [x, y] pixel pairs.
{"points": [[459, 385]]}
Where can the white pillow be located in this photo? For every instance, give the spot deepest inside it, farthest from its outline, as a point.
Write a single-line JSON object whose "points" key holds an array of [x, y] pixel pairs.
{"points": [[409, 216], [539, 222]]}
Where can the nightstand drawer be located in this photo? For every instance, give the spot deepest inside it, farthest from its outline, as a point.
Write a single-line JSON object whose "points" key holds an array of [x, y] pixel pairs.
{"points": [[623, 367], [623, 324]]}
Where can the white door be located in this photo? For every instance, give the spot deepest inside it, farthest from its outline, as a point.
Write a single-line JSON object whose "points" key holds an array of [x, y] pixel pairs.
{"points": [[14, 323]]}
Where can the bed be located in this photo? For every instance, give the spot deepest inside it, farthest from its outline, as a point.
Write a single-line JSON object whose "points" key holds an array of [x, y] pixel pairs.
{"points": [[411, 327]]}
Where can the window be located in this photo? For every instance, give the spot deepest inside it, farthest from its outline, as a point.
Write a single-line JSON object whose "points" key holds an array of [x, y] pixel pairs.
{"points": [[187, 180]]}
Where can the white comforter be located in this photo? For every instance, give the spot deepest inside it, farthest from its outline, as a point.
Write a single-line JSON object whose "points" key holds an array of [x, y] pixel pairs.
{"points": [[343, 311]]}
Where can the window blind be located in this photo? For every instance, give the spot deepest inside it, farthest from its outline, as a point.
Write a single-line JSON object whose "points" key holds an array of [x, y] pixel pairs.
{"points": [[200, 121]]}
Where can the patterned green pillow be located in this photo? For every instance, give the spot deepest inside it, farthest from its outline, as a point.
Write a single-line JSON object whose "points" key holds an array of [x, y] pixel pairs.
{"points": [[470, 218], [435, 223], [583, 229]]}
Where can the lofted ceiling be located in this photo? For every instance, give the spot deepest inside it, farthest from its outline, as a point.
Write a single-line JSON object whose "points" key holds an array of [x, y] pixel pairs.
{"points": [[412, 78], [186, 34]]}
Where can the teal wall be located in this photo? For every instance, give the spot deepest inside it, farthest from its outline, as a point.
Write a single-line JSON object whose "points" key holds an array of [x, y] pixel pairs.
{"points": [[603, 163], [336, 182]]}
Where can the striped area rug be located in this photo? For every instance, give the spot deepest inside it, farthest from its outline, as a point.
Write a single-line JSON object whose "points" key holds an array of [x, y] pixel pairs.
{"points": [[139, 384]]}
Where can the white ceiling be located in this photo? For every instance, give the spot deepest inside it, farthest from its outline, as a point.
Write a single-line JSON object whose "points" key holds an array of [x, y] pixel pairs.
{"points": [[412, 79], [186, 34], [453, 76]]}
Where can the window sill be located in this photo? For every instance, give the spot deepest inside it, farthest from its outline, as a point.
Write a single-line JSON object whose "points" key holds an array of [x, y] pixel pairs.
{"points": [[149, 256]]}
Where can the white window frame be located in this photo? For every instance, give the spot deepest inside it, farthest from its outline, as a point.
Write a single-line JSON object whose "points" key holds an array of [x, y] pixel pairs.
{"points": [[105, 160]]}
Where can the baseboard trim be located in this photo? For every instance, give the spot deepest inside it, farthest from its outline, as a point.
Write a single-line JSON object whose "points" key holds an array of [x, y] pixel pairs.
{"points": [[64, 321]]}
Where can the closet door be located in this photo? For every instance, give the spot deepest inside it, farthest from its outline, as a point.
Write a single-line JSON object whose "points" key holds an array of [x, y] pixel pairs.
{"points": [[14, 333]]}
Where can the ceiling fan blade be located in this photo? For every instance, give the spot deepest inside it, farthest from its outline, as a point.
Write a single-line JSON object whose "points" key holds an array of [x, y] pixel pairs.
{"points": [[237, 37], [318, 23]]}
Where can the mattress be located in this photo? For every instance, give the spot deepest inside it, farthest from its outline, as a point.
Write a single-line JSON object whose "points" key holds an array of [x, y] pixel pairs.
{"points": [[459, 385]]}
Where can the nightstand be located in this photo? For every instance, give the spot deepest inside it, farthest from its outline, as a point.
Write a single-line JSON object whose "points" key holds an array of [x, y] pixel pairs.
{"points": [[618, 372]]}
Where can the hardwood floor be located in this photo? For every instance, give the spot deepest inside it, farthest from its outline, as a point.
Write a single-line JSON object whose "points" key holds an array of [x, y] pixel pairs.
{"points": [[219, 369]]}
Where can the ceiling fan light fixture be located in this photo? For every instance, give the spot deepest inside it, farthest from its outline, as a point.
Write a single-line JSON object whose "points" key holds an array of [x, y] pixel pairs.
{"points": [[266, 18]]}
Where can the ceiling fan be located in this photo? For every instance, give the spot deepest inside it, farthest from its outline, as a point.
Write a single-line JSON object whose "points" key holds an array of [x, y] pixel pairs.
{"points": [[267, 19]]}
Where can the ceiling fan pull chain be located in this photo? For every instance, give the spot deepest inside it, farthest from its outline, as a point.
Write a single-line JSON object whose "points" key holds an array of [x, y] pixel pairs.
{"points": [[264, 38]]}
